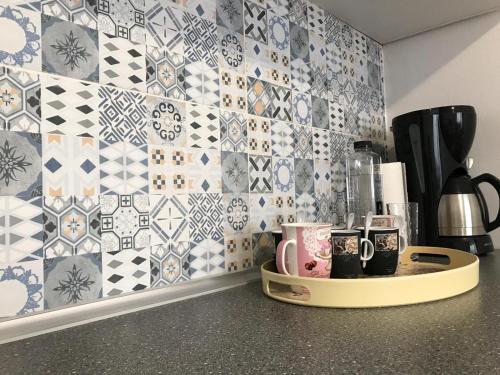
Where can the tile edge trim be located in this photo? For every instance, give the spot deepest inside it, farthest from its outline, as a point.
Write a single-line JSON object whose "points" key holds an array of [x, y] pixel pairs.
{"points": [[38, 324]]}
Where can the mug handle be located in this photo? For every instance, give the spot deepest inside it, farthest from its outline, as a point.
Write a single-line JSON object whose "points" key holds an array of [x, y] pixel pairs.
{"points": [[371, 250], [280, 255]]}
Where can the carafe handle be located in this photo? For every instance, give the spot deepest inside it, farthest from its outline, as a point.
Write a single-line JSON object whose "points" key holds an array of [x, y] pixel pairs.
{"points": [[495, 182]]}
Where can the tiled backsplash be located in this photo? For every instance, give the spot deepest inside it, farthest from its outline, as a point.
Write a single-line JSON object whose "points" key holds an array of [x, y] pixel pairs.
{"points": [[145, 144]]}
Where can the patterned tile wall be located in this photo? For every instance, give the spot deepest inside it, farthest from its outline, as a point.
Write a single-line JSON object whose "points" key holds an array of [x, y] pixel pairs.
{"points": [[149, 142]]}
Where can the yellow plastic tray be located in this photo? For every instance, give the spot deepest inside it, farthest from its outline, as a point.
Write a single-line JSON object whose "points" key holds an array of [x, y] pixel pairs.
{"points": [[415, 281]]}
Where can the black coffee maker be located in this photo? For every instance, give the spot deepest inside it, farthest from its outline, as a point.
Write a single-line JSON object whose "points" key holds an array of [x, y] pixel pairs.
{"points": [[434, 144]]}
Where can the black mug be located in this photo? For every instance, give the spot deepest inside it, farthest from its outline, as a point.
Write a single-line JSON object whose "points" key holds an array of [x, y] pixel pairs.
{"points": [[386, 256], [346, 253]]}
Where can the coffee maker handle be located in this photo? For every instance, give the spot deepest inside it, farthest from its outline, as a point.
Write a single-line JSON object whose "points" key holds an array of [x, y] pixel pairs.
{"points": [[495, 182]]}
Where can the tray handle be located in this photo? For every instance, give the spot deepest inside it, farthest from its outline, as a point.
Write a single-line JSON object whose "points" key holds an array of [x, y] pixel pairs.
{"points": [[451, 260]]}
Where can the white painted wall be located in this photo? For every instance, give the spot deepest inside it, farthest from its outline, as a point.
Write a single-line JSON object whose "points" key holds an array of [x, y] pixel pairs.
{"points": [[457, 64]]}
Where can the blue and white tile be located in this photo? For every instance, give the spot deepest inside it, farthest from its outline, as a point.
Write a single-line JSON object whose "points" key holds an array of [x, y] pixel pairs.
{"points": [[70, 165], [324, 208], [82, 13], [165, 73], [164, 26], [322, 177], [255, 20], [231, 50], [320, 113], [279, 32], [169, 218], [207, 173], [206, 217], [202, 83], [298, 12], [301, 76], [259, 136], [21, 286], [200, 40], [303, 138], [304, 176], [123, 116], [167, 122], [302, 108], [263, 213], [203, 127], [283, 175], [306, 208], [23, 48], [299, 43], [230, 14], [316, 19], [260, 174], [321, 144], [206, 258]]}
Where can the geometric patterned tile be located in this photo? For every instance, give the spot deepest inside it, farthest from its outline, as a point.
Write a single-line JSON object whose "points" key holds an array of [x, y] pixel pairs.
{"points": [[206, 258], [281, 100], [169, 217], [202, 83], [165, 73], [233, 91], [321, 145], [283, 175], [301, 76], [320, 113], [164, 26], [303, 142], [322, 177], [207, 173], [306, 208], [124, 222], [21, 229], [20, 101], [255, 22], [20, 164], [206, 217], [123, 116], [324, 208], [317, 50], [302, 108], [278, 7], [124, 168], [260, 173], [201, 8], [70, 165], [319, 81], [122, 18], [21, 276], [234, 133], [336, 111], [203, 129], [200, 40], [316, 19], [279, 32], [69, 107], [169, 263], [70, 50], [259, 136], [285, 210], [22, 23], [298, 12], [263, 213], [84, 12], [238, 252], [72, 225], [299, 43], [121, 63], [231, 45], [283, 142], [125, 271], [71, 280], [259, 97], [168, 122], [237, 213], [168, 170]]}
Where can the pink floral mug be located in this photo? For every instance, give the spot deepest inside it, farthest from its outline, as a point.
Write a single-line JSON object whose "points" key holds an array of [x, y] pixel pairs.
{"points": [[305, 250]]}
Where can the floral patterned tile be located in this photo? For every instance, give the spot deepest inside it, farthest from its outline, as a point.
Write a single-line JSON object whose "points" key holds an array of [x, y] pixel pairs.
{"points": [[231, 50], [71, 280], [235, 172], [26, 276], [69, 49], [20, 108], [20, 164], [167, 122], [283, 175], [230, 14], [304, 176], [236, 213], [165, 74], [23, 25]]}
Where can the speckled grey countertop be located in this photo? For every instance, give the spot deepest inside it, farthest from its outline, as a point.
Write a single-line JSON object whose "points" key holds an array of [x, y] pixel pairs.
{"points": [[241, 331]]}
